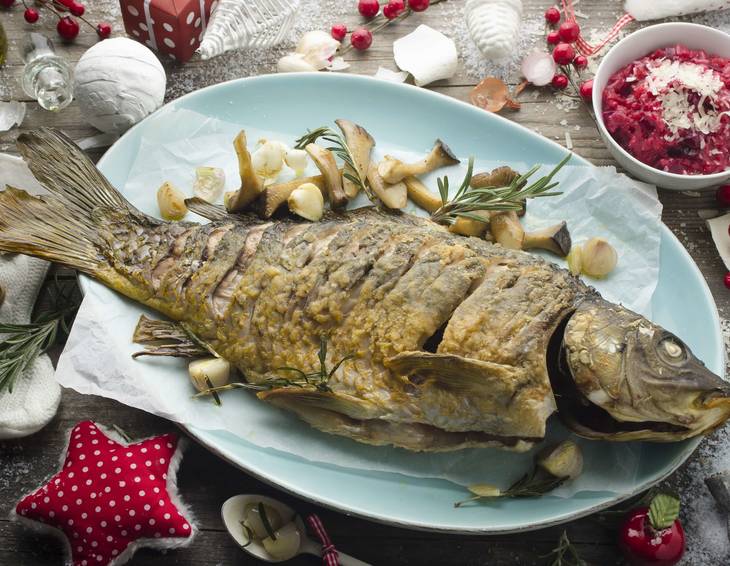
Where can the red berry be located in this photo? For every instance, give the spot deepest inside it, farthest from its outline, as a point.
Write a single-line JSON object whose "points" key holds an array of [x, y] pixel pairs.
{"points": [[6, 3], [66, 3], [580, 62], [560, 81], [77, 9], [586, 89], [361, 39], [368, 8], [67, 28], [552, 15], [553, 38], [393, 9], [645, 546], [727, 280], [418, 5], [723, 195], [569, 31], [31, 15], [563, 54], [104, 30], [338, 31]]}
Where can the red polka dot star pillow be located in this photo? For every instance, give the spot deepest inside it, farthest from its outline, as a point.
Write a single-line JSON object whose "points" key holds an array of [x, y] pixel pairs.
{"points": [[111, 498]]}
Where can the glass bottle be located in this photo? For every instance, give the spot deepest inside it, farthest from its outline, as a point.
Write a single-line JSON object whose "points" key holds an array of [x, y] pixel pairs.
{"points": [[47, 77]]}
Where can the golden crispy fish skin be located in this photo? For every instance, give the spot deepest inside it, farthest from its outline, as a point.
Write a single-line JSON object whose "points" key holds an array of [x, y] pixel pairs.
{"points": [[452, 336]]}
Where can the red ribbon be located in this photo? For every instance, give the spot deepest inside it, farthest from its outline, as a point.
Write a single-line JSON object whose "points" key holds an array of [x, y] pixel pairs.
{"points": [[583, 46], [329, 552]]}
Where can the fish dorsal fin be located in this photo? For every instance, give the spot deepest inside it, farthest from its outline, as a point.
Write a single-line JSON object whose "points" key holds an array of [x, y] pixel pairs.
{"points": [[454, 373], [293, 397]]}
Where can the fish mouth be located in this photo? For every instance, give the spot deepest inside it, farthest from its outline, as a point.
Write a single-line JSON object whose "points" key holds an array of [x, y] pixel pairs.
{"points": [[587, 419]]}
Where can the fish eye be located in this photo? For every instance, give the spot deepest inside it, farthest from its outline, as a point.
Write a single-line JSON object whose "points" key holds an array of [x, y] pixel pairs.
{"points": [[671, 350]]}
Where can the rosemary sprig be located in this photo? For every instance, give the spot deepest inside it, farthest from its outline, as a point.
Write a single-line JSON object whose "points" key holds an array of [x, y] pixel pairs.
{"points": [[533, 484], [468, 200], [565, 554], [339, 147]]}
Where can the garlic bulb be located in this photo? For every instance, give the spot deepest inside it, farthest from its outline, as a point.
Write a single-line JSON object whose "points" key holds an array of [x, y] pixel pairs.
{"points": [[171, 202], [294, 63], [307, 201], [494, 25], [268, 159], [297, 160], [215, 370], [317, 47], [209, 183]]}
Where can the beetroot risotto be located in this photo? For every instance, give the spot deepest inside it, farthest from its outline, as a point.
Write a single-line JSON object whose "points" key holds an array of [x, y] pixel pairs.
{"points": [[671, 110]]}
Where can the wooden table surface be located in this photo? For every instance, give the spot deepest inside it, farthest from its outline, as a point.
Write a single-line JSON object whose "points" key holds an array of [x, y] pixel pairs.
{"points": [[206, 481]]}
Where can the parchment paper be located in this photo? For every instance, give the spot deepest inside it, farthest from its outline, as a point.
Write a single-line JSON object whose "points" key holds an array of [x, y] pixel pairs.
{"points": [[596, 202]]}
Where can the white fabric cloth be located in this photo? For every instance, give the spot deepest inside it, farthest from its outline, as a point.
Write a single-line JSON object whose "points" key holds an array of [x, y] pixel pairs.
{"points": [[36, 395]]}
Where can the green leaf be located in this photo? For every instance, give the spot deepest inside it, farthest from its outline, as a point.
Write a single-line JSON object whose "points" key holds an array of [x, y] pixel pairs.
{"points": [[663, 510]]}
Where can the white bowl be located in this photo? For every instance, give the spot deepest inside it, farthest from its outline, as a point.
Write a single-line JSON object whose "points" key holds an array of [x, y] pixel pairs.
{"points": [[633, 47]]}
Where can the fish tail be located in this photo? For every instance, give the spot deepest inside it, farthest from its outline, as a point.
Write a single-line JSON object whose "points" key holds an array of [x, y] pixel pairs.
{"points": [[62, 226]]}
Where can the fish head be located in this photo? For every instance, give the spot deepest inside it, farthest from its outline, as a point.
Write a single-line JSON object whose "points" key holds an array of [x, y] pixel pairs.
{"points": [[626, 378]]}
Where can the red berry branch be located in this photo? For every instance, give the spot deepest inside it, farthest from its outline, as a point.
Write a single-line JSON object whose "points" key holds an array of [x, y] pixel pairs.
{"points": [[69, 12], [361, 38]]}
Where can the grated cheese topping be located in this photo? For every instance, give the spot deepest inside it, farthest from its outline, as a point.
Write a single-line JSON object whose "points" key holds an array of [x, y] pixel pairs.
{"points": [[673, 82]]}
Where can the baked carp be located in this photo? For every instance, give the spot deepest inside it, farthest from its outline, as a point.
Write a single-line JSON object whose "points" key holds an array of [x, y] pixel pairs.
{"points": [[456, 342]]}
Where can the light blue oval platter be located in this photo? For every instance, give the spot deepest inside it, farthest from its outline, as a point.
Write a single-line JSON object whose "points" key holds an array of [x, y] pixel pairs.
{"points": [[404, 115]]}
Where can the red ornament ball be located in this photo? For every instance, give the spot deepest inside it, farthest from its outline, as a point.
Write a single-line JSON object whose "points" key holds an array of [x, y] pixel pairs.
{"points": [[645, 546], [553, 38], [569, 31], [723, 195], [393, 9], [338, 31], [559, 81], [103, 30], [31, 15], [552, 15], [67, 28], [563, 54], [6, 3], [418, 5], [727, 280], [368, 8], [361, 39], [586, 89], [580, 62]]}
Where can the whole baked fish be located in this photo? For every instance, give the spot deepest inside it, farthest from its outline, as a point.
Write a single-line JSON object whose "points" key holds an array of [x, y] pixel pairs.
{"points": [[456, 342]]}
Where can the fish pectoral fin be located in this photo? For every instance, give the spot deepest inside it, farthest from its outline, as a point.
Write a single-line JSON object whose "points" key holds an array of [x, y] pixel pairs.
{"points": [[298, 399], [455, 373], [166, 338]]}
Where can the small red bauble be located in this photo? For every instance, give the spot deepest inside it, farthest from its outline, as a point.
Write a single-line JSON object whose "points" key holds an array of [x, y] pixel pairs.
{"points": [[77, 9], [559, 81], [338, 31], [67, 28], [31, 15], [6, 3], [580, 62], [645, 546], [563, 54], [552, 15], [361, 39], [723, 195], [553, 38], [368, 8], [586, 89], [393, 9], [569, 31], [104, 30], [727, 280], [418, 5]]}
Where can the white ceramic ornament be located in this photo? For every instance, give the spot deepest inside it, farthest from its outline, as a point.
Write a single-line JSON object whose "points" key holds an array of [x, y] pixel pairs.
{"points": [[494, 25], [237, 24], [644, 10], [117, 83]]}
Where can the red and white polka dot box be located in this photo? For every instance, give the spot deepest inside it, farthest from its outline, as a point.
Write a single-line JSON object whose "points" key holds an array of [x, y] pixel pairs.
{"points": [[173, 28]]}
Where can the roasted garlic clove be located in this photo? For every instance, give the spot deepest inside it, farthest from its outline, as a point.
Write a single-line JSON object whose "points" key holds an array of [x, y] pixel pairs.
{"points": [[171, 202], [562, 461], [598, 258], [297, 160], [215, 370], [307, 201], [209, 183]]}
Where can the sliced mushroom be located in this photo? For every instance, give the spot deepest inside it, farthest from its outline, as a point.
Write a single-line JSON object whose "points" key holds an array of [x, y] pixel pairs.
{"points": [[471, 226], [324, 159], [555, 239], [419, 194], [361, 144], [392, 196], [507, 230], [393, 170], [276, 195], [499, 177], [251, 184]]}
